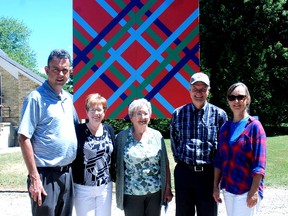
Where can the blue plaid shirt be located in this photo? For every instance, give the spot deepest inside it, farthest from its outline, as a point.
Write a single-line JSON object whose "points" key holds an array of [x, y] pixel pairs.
{"points": [[194, 133]]}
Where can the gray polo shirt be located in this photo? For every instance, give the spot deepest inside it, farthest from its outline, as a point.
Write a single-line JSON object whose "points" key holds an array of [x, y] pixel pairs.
{"points": [[48, 120]]}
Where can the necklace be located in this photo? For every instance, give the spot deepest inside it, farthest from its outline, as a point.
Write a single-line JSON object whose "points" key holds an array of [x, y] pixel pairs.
{"points": [[97, 131]]}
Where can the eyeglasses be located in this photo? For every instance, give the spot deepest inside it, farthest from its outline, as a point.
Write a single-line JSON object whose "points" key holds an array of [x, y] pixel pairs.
{"points": [[140, 114], [238, 97], [202, 90], [58, 71], [98, 111]]}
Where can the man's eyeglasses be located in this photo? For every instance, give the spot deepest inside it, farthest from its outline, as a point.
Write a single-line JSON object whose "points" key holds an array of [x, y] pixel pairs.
{"points": [[58, 71], [238, 97], [202, 90]]}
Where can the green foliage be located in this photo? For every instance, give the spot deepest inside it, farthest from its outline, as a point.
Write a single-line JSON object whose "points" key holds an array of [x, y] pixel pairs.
{"points": [[118, 124], [14, 41], [69, 85], [247, 41], [161, 125]]}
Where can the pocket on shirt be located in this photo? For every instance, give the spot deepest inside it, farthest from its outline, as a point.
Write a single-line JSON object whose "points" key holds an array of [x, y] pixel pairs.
{"points": [[212, 133], [246, 144]]}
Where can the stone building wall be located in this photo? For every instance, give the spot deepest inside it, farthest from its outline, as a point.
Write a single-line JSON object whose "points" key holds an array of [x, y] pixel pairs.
{"points": [[14, 90]]}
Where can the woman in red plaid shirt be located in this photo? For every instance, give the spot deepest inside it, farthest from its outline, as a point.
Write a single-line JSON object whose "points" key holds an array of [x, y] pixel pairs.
{"points": [[241, 157]]}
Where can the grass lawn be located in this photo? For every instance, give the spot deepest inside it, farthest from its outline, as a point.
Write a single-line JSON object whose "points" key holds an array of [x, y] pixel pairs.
{"points": [[277, 162], [13, 171]]}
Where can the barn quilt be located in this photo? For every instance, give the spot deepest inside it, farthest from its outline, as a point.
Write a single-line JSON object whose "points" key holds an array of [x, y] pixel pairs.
{"points": [[135, 49]]}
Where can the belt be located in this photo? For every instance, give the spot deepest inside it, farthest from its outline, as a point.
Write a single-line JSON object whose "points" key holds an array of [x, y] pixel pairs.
{"points": [[56, 169], [97, 183], [197, 168]]}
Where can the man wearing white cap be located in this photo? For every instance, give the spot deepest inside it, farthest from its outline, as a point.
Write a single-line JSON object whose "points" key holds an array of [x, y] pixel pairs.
{"points": [[193, 131]]}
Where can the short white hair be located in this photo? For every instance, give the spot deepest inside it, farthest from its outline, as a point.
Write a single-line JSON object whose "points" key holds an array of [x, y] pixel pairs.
{"points": [[139, 103]]}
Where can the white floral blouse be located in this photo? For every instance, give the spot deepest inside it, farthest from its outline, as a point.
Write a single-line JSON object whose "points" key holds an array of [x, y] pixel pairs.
{"points": [[142, 165]]}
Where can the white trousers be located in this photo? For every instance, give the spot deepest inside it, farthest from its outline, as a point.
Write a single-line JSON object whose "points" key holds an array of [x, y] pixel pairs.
{"points": [[236, 205], [93, 200]]}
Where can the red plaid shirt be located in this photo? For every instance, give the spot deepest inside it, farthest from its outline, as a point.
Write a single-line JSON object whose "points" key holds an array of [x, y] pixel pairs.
{"points": [[242, 158]]}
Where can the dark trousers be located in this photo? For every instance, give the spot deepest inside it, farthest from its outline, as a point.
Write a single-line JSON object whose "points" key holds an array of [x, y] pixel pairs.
{"points": [[144, 205], [59, 189], [194, 189]]}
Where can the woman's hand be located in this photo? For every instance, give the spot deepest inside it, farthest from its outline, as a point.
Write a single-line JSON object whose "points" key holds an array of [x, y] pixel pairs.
{"points": [[252, 199], [252, 196], [216, 195], [168, 196], [216, 190]]}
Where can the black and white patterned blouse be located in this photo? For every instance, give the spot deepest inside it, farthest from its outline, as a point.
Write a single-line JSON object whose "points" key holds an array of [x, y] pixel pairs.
{"points": [[92, 164]]}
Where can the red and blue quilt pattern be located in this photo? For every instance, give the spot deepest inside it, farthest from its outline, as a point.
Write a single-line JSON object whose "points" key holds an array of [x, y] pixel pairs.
{"points": [[133, 49]]}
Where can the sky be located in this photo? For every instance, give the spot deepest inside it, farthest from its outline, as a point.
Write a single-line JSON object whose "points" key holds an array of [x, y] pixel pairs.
{"points": [[50, 22]]}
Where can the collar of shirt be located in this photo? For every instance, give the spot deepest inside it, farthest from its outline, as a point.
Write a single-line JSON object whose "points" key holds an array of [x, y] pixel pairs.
{"points": [[54, 94], [202, 110]]}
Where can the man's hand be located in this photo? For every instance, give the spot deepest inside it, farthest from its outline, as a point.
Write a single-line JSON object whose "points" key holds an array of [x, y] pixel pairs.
{"points": [[36, 189], [168, 194]]}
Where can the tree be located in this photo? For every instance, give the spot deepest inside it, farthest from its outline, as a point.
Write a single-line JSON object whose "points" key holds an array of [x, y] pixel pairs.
{"points": [[247, 41], [69, 84], [14, 41]]}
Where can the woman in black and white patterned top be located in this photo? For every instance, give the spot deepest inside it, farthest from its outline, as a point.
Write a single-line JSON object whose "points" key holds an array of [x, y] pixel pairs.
{"points": [[93, 167]]}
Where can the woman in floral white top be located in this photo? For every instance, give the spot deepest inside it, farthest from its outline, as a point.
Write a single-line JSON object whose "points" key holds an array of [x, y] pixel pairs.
{"points": [[142, 168]]}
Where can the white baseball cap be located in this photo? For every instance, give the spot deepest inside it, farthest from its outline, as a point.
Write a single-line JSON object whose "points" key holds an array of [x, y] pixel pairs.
{"points": [[200, 77]]}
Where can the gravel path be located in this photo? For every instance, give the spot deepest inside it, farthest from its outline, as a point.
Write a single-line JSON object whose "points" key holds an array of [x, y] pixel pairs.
{"points": [[273, 204]]}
